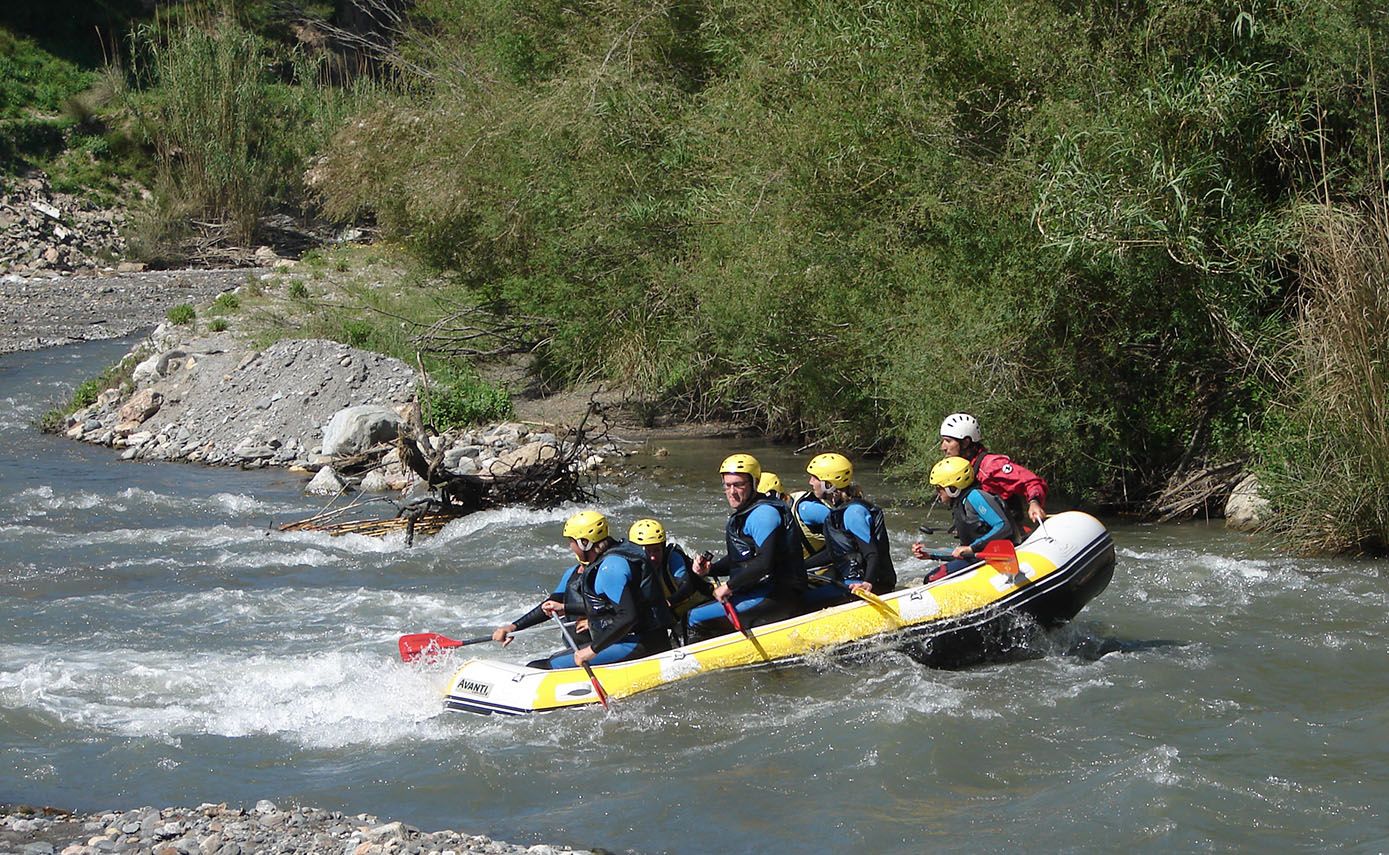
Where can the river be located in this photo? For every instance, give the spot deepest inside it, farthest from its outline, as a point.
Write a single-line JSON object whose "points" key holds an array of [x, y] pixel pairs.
{"points": [[161, 645]]}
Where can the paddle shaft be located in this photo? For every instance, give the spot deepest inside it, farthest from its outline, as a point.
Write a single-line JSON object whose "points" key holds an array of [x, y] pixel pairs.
{"points": [[574, 646]]}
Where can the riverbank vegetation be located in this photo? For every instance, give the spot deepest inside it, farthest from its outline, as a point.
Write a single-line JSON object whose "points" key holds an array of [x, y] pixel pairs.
{"points": [[1119, 234]]}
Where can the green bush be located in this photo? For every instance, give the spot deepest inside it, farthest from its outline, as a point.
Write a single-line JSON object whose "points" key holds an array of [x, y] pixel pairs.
{"points": [[458, 399], [217, 324], [116, 376], [297, 290], [227, 302], [181, 314], [358, 333]]}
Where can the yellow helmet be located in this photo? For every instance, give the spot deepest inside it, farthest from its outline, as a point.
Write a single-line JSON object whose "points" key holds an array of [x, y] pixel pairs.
{"points": [[770, 482], [587, 525], [952, 473], [833, 469], [647, 532], [741, 464]]}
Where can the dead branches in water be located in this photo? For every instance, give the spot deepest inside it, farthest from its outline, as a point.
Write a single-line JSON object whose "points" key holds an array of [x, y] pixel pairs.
{"points": [[540, 474], [1194, 492]]}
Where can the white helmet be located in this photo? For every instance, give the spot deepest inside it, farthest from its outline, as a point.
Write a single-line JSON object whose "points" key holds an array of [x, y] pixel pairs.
{"points": [[960, 426]]}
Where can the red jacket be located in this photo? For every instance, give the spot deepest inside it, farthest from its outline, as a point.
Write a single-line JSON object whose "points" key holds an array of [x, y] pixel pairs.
{"points": [[999, 475]]}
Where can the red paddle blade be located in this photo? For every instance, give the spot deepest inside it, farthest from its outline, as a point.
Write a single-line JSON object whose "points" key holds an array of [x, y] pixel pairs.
{"points": [[418, 644], [1002, 555]]}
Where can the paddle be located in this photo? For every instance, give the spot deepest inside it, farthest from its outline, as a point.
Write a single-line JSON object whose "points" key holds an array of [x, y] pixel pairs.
{"points": [[574, 646], [1004, 557], [747, 633], [417, 644], [867, 596], [871, 598], [1000, 553]]}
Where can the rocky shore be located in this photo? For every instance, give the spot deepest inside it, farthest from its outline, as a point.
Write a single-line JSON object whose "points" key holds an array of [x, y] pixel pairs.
{"points": [[221, 830], [312, 405], [38, 311]]}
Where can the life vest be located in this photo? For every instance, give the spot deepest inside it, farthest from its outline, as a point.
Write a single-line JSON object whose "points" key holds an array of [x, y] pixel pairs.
{"points": [[850, 557], [581, 597], [651, 594], [967, 522], [696, 588], [786, 573], [811, 536]]}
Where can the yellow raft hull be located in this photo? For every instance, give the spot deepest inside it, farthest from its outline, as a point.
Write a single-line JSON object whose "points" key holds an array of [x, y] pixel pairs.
{"points": [[1062, 566]]}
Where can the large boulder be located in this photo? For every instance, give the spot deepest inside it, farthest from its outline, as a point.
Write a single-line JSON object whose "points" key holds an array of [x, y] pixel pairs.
{"points": [[523, 458], [1246, 510], [158, 366], [353, 430], [137, 410]]}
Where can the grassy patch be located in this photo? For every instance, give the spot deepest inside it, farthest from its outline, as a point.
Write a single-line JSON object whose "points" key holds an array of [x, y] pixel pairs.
{"points": [[34, 81], [457, 398]]}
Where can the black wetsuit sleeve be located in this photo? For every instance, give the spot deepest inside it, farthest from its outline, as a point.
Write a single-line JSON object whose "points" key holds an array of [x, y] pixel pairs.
{"points": [[613, 628], [758, 568], [535, 616], [873, 570]]}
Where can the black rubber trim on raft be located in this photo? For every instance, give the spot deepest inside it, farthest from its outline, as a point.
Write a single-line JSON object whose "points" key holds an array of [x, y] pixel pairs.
{"points": [[453, 702]]}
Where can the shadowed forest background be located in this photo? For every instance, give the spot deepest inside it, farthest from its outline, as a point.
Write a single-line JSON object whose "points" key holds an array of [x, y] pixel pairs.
{"points": [[1142, 241]]}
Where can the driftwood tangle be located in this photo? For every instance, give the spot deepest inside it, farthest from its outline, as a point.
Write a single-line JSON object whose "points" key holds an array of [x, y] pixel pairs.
{"points": [[1195, 492], [552, 480]]}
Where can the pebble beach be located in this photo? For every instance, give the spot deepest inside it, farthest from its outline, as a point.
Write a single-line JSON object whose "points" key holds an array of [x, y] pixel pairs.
{"points": [[220, 829]]}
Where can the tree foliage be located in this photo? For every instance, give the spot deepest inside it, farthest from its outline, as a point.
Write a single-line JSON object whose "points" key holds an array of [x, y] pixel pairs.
{"points": [[1080, 221]]}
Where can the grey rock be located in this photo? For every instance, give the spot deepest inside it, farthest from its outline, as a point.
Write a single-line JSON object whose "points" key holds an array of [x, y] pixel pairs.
{"points": [[375, 481], [1246, 509], [353, 430]]}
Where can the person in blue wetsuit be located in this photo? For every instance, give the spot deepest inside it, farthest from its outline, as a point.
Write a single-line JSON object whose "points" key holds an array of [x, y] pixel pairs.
{"points": [[856, 553], [682, 587], [979, 516], [766, 582], [620, 611], [806, 507]]}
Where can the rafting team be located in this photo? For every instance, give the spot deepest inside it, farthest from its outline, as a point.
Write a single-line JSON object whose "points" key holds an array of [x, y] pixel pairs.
{"points": [[787, 554]]}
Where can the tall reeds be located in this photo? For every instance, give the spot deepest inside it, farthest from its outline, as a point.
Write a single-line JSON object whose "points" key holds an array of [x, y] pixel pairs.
{"points": [[1328, 464], [232, 122]]}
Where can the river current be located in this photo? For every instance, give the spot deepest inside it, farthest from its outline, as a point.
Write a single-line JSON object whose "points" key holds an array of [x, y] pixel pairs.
{"points": [[162, 645]]}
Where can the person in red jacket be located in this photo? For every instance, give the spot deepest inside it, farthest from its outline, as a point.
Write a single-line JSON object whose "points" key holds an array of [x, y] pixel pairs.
{"points": [[1019, 487]]}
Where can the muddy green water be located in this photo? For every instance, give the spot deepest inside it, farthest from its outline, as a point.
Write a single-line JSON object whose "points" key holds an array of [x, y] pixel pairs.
{"points": [[160, 646]]}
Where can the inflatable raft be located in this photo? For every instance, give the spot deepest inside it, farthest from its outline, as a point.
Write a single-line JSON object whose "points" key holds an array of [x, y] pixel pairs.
{"points": [[1064, 564]]}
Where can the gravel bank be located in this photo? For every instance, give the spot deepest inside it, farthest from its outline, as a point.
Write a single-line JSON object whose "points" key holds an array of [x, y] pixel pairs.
{"points": [[44, 311], [221, 830]]}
